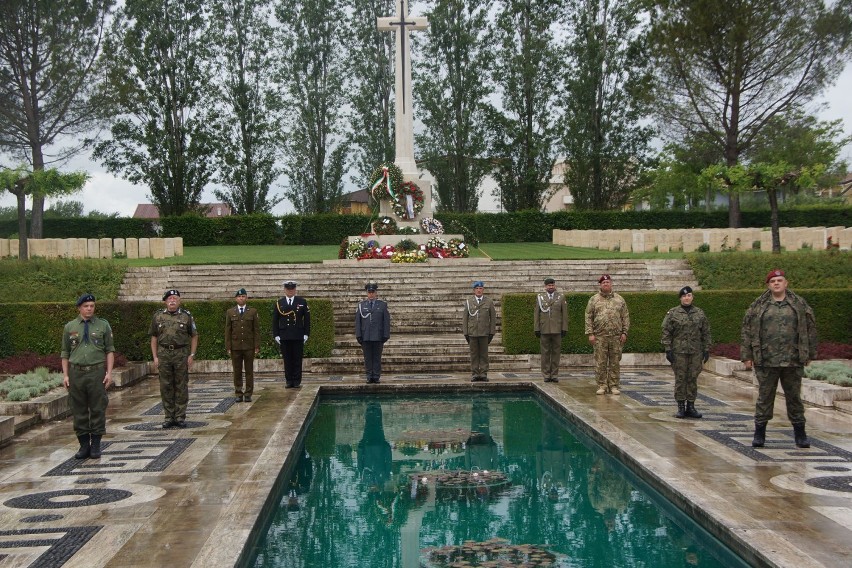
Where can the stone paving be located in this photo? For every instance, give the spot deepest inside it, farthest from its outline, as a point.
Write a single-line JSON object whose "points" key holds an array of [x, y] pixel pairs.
{"points": [[191, 497]]}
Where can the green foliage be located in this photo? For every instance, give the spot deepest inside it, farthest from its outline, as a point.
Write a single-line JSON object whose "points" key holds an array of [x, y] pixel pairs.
{"points": [[20, 388], [238, 229], [834, 372], [62, 280], [89, 228], [739, 270], [724, 309], [40, 327]]}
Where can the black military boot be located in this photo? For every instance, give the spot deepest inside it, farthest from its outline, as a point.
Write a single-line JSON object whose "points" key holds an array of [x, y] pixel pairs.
{"points": [[759, 435], [681, 409], [85, 447], [95, 452], [690, 410], [801, 438]]}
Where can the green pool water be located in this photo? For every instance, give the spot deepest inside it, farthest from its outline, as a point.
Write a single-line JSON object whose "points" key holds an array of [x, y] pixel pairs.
{"points": [[468, 480]]}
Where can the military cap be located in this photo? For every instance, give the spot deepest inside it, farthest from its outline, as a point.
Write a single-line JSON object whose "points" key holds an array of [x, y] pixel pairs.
{"points": [[479, 284], [241, 292], [85, 298], [171, 292], [684, 291], [603, 278], [549, 281], [774, 273], [290, 284], [371, 287]]}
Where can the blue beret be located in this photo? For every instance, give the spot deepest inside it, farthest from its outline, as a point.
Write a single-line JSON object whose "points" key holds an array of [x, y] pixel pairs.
{"points": [[479, 284], [85, 298]]}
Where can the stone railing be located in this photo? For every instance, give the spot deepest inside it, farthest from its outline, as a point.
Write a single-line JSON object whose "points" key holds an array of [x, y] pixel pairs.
{"points": [[689, 240], [95, 248]]}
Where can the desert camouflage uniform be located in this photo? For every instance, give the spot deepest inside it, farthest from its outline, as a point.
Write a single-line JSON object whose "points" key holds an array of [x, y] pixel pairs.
{"points": [[607, 318], [686, 333]]}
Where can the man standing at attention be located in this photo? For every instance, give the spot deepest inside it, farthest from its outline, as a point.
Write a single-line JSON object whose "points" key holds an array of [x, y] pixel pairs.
{"points": [[551, 325], [174, 340], [686, 339], [291, 326], [479, 323], [607, 323], [87, 348], [778, 339], [242, 341], [372, 330]]}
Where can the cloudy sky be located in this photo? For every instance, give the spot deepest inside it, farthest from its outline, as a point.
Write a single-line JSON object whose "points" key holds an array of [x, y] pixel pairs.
{"points": [[110, 194]]}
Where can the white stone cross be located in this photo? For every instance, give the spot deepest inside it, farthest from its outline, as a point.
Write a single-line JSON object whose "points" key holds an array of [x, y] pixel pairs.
{"points": [[401, 24]]}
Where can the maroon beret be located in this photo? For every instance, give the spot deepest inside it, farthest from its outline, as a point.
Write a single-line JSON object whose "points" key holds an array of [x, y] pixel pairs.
{"points": [[604, 277], [774, 273]]}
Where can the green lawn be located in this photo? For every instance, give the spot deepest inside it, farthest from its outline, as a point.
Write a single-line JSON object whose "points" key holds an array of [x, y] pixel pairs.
{"points": [[549, 251]]}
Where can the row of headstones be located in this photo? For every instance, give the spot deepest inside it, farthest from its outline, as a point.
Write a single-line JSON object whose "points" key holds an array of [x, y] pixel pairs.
{"points": [[690, 240], [95, 248]]}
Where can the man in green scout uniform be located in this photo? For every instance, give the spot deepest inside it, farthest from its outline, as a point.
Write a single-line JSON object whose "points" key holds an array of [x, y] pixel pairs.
{"points": [[607, 323], [550, 326], [242, 341], [174, 340], [479, 323], [778, 340], [686, 339], [87, 359]]}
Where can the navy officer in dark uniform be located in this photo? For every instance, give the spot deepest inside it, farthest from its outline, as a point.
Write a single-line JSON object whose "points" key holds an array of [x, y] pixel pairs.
{"points": [[291, 326], [372, 330]]}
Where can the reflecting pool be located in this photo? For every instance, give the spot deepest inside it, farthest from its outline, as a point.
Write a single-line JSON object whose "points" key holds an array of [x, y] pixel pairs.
{"points": [[468, 480]]}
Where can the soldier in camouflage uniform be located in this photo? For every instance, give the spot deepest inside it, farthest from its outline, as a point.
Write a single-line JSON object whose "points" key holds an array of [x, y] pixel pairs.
{"points": [[607, 323], [550, 326], [778, 340], [479, 324], [86, 347], [174, 340], [686, 339]]}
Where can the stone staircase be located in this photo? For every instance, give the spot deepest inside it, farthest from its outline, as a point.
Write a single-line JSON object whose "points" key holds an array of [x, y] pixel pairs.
{"points": [[424, 299]]}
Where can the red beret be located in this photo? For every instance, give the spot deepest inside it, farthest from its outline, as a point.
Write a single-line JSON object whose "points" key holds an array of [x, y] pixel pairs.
{"points": [[604, 277], [774, 273]]}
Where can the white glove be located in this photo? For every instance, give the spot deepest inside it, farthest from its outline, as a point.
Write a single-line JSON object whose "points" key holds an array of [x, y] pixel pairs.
{"points": [[306, 339], [278, 340]]}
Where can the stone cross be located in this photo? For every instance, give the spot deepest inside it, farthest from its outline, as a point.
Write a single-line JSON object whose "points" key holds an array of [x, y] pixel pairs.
{"points": [[401, 23]]}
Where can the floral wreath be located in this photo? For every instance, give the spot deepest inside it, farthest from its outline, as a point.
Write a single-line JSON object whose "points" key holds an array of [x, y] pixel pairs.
{"points": [[432, 226], [385, 226], [385, 181], [400, 204]]}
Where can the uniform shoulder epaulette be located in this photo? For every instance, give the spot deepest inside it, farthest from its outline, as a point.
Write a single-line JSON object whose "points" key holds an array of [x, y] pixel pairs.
{"points": [[187, 312]]}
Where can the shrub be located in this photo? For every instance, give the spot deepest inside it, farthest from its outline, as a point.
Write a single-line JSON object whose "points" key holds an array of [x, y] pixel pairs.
{"points": [[747, 270], [834, 372], [22, 387], [58, 280]]}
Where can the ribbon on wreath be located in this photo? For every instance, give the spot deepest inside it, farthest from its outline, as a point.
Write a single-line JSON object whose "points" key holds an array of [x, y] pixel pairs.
{"points": [[386, 178]]}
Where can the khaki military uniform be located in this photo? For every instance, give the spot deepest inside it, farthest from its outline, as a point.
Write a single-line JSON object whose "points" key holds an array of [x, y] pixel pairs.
{"points": [[479, 324], [551, 322], [174, 332], [686, 333], [607, 319], [86, 372], [242, 339], [780, 338]]}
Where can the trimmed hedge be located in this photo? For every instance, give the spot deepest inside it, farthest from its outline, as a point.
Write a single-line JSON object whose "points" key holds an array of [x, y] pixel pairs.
{"points": [[87, 228], [38, 327], [724, 309], [804, 269]]}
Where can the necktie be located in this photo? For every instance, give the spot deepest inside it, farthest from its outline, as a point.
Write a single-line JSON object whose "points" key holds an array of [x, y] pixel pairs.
{"points": [[289, 301], [478, 300], [85, 331], [242, 311]]}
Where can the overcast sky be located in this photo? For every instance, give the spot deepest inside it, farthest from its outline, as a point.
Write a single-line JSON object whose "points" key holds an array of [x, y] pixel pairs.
{"points": [[110, 194]]}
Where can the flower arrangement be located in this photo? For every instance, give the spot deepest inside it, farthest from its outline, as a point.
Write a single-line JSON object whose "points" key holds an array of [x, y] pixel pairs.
{"points": [[436, 243], [458, 249], [411, 257], [356, 248], [385, 182], [408, 230], [432, 226], [385, 226], [406, 245], [344, 247], [401, 207]]}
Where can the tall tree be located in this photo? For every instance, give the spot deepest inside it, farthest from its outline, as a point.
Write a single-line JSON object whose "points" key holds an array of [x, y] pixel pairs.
{"points": [[316, 149], [159, 76], [525, 71], [452, 86], [730, 66], [606, 97], [48, 55], [249, 128], [371, 64]]}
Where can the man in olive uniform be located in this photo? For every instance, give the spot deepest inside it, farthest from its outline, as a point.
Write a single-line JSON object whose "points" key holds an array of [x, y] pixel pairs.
{"points": [[778, 339], [686, 339], [242, 341], [479, 323], [87, 360], [291, 326], [607, 323], [174, 340], [372, 330], [550, 326]]}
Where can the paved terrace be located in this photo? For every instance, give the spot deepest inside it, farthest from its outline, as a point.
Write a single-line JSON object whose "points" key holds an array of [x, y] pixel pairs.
{"points": [[191, 497]]}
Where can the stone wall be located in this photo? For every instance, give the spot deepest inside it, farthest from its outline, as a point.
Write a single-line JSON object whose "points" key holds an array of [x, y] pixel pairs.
{"points": [[95, 248], [689, 240]]}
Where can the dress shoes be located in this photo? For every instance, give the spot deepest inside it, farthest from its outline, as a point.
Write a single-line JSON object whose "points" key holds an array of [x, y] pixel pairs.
{"points": [[247, 398], [238, 398]]}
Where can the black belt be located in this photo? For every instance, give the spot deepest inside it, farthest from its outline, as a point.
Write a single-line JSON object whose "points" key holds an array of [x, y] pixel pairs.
{"points": [[172, 347], [87, 367]]}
